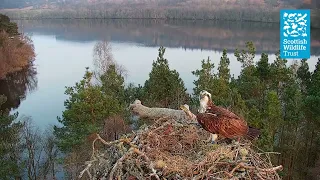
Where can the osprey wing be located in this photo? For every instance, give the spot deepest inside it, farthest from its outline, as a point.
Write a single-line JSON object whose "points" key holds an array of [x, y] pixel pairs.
{"points": [[220, 111], [209, 122], [223, 125]]}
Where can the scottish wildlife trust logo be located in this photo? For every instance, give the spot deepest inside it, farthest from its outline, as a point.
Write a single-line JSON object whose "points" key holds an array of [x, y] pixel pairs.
{"points": [[295, 33]]}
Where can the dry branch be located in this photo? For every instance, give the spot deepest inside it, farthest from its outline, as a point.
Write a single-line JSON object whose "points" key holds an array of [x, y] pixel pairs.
{"points": [[155, 113], [169, 149]]}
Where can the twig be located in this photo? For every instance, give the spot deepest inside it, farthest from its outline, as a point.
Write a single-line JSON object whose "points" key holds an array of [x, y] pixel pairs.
{"points": [[86, 170], [119, 161], [154, 172], [241, 165], [272, 169], [259, 176], [234, 169], [269, 153]]}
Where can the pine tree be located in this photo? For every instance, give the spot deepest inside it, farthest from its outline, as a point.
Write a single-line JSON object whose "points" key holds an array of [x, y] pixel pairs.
{"points": [[273, 113], [223, 69], [263, 69], [304, 75], [86, 109], [278, 74], [205, 77], [164, 88], [221, 87], [113, 85], [133, 92], [246, 56], [312, 106], [9, 138]]}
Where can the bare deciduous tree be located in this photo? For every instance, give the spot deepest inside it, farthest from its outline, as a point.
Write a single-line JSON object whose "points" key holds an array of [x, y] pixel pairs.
{"points": [[51, 153], [33, 149], [103, 58]]}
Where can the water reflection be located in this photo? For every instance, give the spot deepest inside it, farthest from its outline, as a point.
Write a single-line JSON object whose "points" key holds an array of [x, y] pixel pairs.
{"points": [[16, 86], [205, 35]]}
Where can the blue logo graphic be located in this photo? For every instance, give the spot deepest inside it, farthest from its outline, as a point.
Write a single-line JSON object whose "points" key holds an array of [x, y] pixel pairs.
{"points": [[295, 33]]}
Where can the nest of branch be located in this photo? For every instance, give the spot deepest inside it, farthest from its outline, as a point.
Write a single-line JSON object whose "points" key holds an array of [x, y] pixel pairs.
{"points": [[174, 150]]}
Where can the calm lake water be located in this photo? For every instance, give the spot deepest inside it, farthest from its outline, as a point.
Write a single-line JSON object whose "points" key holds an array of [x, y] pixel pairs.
{"points": [[65, 47]]}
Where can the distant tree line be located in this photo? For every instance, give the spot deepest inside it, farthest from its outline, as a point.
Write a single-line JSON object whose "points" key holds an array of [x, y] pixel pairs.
{"points": [[257, 14], [244, 10], [7, 4]]}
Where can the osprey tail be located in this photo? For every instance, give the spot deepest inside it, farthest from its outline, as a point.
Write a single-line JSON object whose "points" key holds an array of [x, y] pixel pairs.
{"points": [[253, 133]]}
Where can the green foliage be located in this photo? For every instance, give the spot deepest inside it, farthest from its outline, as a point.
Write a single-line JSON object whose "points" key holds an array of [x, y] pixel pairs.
{"points": [[263, 69], [205, 77], [279, 73], [304, 75], [216, 83], [223, 69], [5, 25], [113, 85], [282, 101], [164, 88], [132, 93], [273, 113], [87, 107], [246, 56], [238, 105], [312, 101], [222, 87], [9, 138]]}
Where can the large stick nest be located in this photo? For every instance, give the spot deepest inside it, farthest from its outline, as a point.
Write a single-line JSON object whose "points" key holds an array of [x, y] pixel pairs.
{"points": [[176, 150]]}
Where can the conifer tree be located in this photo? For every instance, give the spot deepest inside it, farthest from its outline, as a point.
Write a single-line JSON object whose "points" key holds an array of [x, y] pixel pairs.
{"points": [[87, 107], [246, 57], [133, 92], [9, 138], [304, 75], [164, 88], [248, 83], [222, 87], [113, 85], [205, 77], [263, 69], [278, 74], [273, 115]]}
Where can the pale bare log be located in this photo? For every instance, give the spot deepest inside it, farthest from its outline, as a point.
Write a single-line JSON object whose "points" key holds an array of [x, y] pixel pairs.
{"points": [[155, 113]]}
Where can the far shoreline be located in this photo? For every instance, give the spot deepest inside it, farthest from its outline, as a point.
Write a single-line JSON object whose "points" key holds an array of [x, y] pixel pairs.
{"points": [[9, 13]]}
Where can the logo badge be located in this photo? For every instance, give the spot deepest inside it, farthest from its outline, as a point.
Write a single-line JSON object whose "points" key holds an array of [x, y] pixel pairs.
{"points": [[295, 33]]}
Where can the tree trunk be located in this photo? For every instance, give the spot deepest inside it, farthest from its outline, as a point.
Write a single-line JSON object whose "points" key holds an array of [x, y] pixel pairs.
{"points": [[155, 113]]}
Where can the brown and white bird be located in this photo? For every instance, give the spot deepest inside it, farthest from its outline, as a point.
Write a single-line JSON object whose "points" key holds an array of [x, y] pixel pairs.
{"points": [[220, 121]]}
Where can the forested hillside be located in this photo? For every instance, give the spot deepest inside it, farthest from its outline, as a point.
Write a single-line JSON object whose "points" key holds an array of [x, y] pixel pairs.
{"points": [[173, 3], [244, 10]]}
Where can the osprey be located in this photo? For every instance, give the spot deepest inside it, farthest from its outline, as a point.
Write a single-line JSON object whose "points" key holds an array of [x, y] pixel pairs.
{"points": [[220, 121]]}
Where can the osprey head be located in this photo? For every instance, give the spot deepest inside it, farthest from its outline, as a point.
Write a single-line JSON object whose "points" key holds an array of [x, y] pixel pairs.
{"points": [[204, 94], [205, 97]]}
